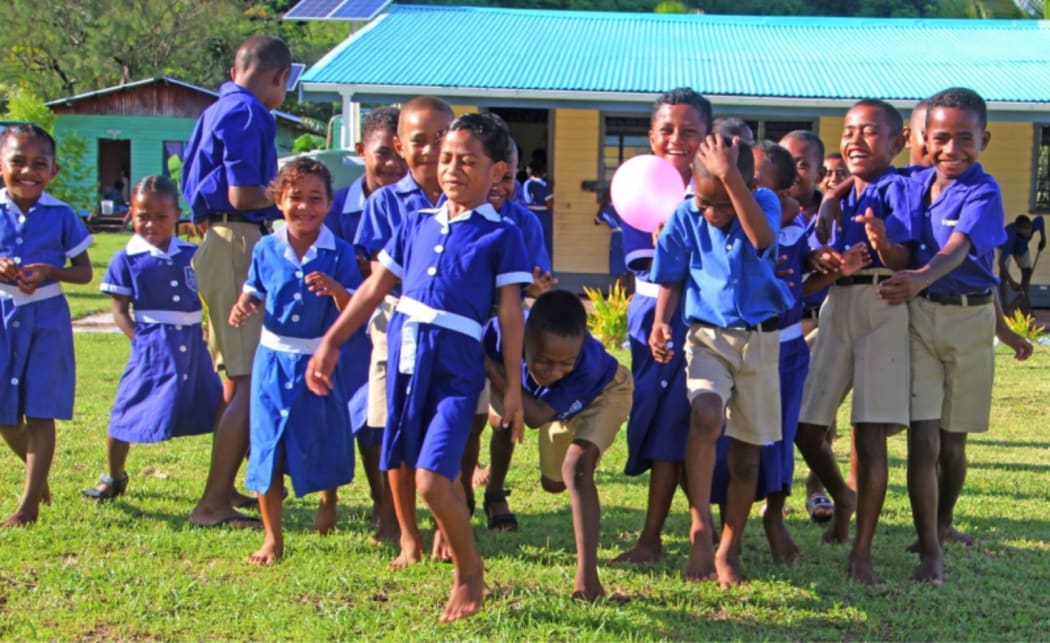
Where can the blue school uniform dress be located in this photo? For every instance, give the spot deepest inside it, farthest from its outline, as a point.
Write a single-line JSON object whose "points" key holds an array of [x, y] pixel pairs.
{"points": [[169, 387], [37, 368], [313, 431], [531, 233], [343, 220], [535, 193], [449, 270]]}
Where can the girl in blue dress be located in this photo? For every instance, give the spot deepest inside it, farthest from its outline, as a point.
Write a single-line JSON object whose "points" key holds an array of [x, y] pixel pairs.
{"points": [[169, 387], [302, 276]]}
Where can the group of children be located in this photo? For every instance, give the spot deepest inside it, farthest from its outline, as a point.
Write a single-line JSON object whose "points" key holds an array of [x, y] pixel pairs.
{"points": [[394, 311]]}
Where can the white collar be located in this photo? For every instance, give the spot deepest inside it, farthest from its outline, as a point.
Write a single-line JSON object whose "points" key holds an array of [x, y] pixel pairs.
{"points": [[325, 240], [138, 245], [485, 210], [45, 200]]}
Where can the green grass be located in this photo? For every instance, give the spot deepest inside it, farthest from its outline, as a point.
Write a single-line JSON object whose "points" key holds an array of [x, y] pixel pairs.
{"points": [[134, 569], [86, 299]]}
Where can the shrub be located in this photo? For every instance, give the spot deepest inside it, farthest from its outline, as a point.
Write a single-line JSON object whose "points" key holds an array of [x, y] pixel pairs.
{"points": [[608, 320], [1026, 326]]}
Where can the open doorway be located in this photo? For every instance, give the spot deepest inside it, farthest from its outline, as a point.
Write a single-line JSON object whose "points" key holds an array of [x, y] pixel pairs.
{"points": [[114, 171], [531, 131]]}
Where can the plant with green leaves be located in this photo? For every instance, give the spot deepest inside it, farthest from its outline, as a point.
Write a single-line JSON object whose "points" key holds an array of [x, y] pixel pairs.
{"points": [[608, 320], [1025, 325]]}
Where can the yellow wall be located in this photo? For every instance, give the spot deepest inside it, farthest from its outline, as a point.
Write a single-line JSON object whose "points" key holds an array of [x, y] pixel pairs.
{"points": [[460, 110], [578, 246]]}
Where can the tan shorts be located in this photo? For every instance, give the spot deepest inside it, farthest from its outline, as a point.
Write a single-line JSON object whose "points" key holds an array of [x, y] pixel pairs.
{"points": [[483, 400], [377, 365], [598, 424], [742, 368], [221, 264], [952, 364], [1024, 261], [862, 343]]}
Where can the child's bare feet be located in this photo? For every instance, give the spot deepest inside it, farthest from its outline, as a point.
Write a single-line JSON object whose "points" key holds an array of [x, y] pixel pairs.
{"points": [[701, 564], [268, 554], [410, 554], [587, 587], [324, 522], [930, 570], [952, 535], [20, 518], [386, 533], [465, 598], [728, 568], [861, 570], [838, 530], [440, 551], [640, 554], [781, 546], [480, 477]]}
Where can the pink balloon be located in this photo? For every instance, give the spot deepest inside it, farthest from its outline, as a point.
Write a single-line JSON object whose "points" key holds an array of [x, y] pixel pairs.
{"points": [[645, 191]]}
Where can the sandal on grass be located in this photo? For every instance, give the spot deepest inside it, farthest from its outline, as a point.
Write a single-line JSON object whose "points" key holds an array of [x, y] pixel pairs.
{"points": [[114, 487], [820, 508], [499, 522]]}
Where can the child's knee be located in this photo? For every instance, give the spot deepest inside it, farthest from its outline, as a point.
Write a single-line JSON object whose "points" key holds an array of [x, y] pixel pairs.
{"points": [[923, 440], [579, 464], [551, 486], [743, 461], [707, 417], [432, 486]]}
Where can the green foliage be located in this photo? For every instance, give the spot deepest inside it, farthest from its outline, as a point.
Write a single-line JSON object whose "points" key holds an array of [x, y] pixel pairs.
{"points": [[1025, 325], [608, 321], [671, 6], [308, 143], [24, 105]]}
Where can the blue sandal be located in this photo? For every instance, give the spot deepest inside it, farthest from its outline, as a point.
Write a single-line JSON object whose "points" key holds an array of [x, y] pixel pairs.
{"points": [[117, 487]]}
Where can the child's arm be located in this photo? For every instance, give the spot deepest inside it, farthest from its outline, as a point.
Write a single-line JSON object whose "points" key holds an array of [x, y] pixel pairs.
{"points": [[720, 160], [31, 276], [893, 255], [906, 284], [512, 336], [848, 263], [660, 337], [246, 306], [361, 306], [120, 307], [323, 285], [1022, 347], [829, 213], [8, 269]]}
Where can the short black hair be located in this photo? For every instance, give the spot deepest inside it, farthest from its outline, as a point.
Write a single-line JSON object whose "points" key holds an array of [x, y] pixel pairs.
{"points": [[745, 160], [783, 164], [512, 152], [834, 155], [889, 112], [685, 96], [379, 120], [1022, 219], [489, 129], [28, 130], [730, 126], [159, 184], [811, 140], [427, 103], [268, 53], [959, 98], [558, 312]]}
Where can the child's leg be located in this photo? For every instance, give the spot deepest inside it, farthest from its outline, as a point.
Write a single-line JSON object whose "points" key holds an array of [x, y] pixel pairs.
{"points": [[229, 447], [403, 492], [871, 492], [812, 443], [324, 522], [17, 437], [382, 501], [952, 477], [578, 473], [705, 426], [39, 450], [450, 512], [441, 550], [117, 458], [497, 512], [781, 545], [743, 479], [664, 478], [470, 458], [270, 509], [923, 450]]}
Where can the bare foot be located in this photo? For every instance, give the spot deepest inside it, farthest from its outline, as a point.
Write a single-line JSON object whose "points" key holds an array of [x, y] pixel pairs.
{"points": [[240, 501], [860, 570], [838, 530], [589, 592], [410, 554], [640, 554], [465, 598], [233, 520], [480, 477], [728, 570], [268, 554], [953, 535], [440, 551], [324, 522], [781, 546], [701, 564], [386, 533], [930, 570], [19, 518], [45, 494]]}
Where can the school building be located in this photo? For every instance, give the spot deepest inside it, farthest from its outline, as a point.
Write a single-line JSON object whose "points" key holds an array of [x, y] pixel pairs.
{"points": [[580, 85], [133, 130]]}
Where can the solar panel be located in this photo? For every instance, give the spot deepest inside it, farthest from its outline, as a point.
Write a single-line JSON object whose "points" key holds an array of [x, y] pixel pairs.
{"points": [[312, 10], [358, 9], [293, 77]]}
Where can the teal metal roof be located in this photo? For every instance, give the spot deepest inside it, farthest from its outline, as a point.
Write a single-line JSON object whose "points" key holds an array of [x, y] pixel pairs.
{"points": [[542, 53]]}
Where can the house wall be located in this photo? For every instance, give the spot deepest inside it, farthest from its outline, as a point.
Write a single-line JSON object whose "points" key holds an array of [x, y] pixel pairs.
{"points": [[579, 246]]}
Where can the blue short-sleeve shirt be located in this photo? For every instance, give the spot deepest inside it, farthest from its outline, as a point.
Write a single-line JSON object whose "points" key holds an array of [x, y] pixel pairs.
{"points": [[972, 205], [893, 198], [1015, 244], [348, 204], [233, 143], [49, 233], [531, 233], [729, 283], [152, 278]]}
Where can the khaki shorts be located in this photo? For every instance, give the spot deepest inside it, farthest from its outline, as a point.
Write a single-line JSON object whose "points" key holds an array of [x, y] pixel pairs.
{"points": [[952, 364], [221, 264], [742, 368], [377, 365], [862, 343], [1024, 261], [483, 400]]}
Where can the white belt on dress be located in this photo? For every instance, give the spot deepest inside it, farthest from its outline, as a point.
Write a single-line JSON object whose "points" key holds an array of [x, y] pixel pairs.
{"points": [[646, 288], [40, 294], [792, 332], [419, 312], [174, 317], [284, 344]]}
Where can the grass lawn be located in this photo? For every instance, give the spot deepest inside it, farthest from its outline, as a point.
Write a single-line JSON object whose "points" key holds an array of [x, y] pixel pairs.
{"points": [[134, 569]]}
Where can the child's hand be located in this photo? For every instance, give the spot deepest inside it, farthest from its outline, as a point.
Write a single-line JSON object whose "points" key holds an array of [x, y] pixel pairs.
{"points": [[8, 269], [513, 416], [855, 259], [319, 369], [660, 342], [656, 234], [828, 216], [30, 277], [782, 272], [825, 260], [902, 287], [245, 307], [323, 285], [718, 158], [1021, 346], [541, 283], [875, 228]]}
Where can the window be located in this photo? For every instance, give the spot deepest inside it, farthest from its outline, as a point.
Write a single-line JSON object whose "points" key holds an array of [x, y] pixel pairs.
{"points": [[775, 130], [1041, 187], [624, 137]]}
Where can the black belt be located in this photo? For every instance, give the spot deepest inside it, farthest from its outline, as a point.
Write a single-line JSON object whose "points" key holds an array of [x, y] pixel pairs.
{"points": [[766, 326], [237, 217], [857, 280], [969, 299]]}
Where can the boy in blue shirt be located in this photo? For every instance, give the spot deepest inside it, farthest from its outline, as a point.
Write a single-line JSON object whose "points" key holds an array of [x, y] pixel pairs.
{"points": [[230, 159], [953, 317], [1018, 235], [578, 396], [722, 247]]}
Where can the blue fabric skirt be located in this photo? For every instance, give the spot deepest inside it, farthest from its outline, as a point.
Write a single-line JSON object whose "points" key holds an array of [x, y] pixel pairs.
{"points": [[37, 365]]}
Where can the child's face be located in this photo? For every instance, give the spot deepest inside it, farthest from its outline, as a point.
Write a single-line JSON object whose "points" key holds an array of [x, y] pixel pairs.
{"points": [[383, 166], [153, 216], [304, 204], [835, 172], [809, 170], [465, 170], [868, 143], [675, 134], [503, 189], [916, 136], [954, 140], [714, 202], [418, 141], [28, 166], [551, 357]]}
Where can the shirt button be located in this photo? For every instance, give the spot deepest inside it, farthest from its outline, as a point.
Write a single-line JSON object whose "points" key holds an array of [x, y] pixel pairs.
{"points": [[174, 284], [729, 246], [178, 326], [295, 318], [185, 376], [297, 296], [14, 381], [298, 274], [16, 324], [18, 240], [922, 246], [284, 413], [183, 349], [444, 230], [168, 262], [432, 271], [176, 298], [663, 383], [439, 248], [289, 385]]}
